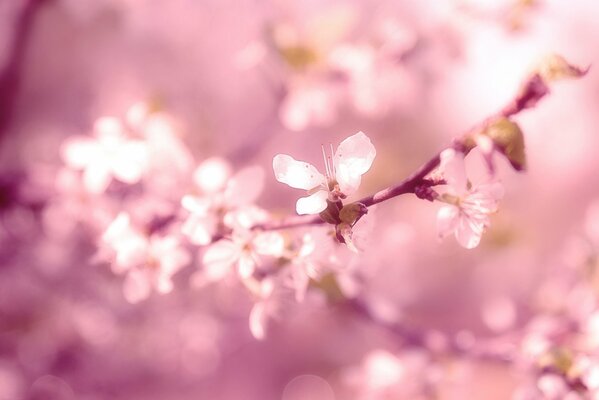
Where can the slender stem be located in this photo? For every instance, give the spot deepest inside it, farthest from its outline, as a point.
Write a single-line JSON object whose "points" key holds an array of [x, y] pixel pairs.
{"points": [[450, 346]]}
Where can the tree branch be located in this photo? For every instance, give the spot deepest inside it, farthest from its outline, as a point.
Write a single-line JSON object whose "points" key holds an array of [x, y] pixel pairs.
{"points": [[10, 75], [533, 90]]}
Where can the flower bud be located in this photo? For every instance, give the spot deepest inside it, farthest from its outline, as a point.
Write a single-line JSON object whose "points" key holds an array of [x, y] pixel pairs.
{"points": [[351, 213], [555, 67], [508, 138]]}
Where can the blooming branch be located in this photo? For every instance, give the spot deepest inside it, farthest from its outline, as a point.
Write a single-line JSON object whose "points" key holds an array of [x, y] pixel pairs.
{"points": [[533, 90]]}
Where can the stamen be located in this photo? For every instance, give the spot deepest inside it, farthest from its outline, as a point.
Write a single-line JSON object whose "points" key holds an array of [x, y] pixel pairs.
{"points": [[326, 164], [333, 171]]}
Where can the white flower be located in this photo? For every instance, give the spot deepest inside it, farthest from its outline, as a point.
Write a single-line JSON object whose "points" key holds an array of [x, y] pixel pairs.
{"points": [[468, 207], [243, 251], [221, 194], [344, 171], [109, 154], [148, 262], [263, 309]]}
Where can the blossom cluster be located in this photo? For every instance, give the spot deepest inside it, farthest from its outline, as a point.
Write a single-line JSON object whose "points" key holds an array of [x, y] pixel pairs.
{"points": [[152, 222], [288, 209]]}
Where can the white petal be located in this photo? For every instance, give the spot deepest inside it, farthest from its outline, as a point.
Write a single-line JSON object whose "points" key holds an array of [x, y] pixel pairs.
{"points": [[297, 174], [258, 320], [245, 217], [245, 187], [447, 220], [196, 205], [269, 244], [130, 163], [246, 265], [454, 170], [96, 177], [79, 151], [199, 229], [219, 258], [353, 158], [212, 175], [313, 204], [469, 232], [492, 190], [164, 284]]}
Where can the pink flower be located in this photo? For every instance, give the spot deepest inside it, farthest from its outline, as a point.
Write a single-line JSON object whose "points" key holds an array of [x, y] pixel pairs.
{"points": [[149, 262], [317, 255], [264, 309], [242, 251], [109, 154], [309, 102], [468, 208], [221, 194], [304, 266], [344, 171]]}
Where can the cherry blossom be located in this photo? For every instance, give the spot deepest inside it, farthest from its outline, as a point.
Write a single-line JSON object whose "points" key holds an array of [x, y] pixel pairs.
{"points": [[344, 170], [108, 154], [243, 248], [148, 262], [383, 375], [468, 208], [220, 194]]}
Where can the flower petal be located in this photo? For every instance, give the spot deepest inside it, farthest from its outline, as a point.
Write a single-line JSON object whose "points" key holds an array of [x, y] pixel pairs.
{"points": [[313, 204], [211, 176], [79, 151], [258, 320], [297, 174], [219, 258], [454, 170], [269, 244], [447, 220], [246, 265], [469, 231], [353, 158]]}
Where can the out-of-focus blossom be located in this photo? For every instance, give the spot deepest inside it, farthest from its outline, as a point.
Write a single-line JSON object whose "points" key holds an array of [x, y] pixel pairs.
{"points": [[263, 309], [468, 208], [309, 102], [149, 262], [383, 375], [220, 195], [108, 154], [344, 171], [243, 251]]}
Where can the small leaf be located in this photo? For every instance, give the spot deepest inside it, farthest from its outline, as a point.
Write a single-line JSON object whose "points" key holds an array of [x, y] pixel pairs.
{"points": [[508, 138], [555, 67], [351, 213], [331, 213]]}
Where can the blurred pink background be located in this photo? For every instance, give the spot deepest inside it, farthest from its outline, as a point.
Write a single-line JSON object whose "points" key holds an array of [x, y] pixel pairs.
{"points": [[245, 80]]}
